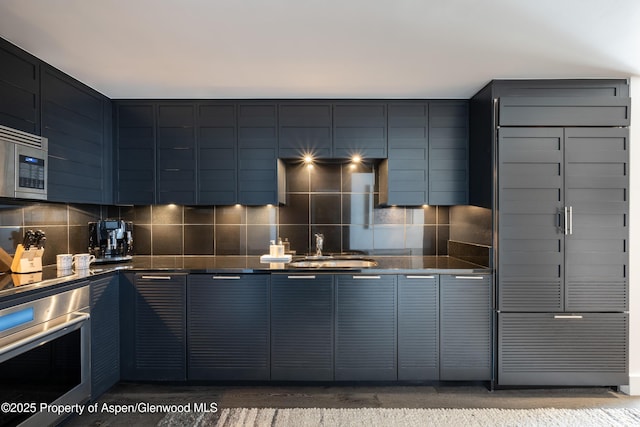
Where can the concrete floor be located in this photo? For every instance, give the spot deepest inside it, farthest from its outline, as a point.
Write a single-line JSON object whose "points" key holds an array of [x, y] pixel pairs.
{"points": [[353, 396]]}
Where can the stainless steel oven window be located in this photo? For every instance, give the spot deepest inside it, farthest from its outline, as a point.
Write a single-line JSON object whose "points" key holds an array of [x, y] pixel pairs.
{"points": [[45, 355]]}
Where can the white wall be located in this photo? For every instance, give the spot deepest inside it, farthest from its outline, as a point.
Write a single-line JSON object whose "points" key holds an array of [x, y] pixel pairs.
{"points": [[634, 243]]}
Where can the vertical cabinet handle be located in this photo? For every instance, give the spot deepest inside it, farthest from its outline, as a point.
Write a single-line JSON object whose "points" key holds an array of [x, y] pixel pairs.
{"points": [[566, 220], [570, 220]]}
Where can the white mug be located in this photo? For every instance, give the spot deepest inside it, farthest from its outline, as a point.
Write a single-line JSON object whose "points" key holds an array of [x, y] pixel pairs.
{"points": [[64, 261], [82, 261]]}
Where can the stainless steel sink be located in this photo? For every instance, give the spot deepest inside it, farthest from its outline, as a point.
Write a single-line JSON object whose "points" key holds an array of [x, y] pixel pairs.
{"points": [[334, 263]]}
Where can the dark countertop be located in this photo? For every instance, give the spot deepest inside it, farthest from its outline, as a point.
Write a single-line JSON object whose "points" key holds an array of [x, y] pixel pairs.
{"points": [[12, 285]]}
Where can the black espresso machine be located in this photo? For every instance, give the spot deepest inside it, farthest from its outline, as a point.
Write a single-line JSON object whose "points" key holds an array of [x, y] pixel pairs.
{"points": [[111, 240]]}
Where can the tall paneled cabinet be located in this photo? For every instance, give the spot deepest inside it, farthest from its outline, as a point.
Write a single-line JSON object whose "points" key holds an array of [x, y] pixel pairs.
{"points": [[560, 152]]}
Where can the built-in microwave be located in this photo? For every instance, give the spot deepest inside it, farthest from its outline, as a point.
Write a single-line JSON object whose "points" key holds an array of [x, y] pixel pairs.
{"points": [[23, 157]]}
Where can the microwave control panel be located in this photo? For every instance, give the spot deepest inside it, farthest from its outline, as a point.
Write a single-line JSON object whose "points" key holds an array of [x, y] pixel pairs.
{"points": [[31, 172]]}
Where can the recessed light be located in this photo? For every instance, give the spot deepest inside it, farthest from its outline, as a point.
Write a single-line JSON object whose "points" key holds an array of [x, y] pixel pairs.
{"points": [[356, 159]]}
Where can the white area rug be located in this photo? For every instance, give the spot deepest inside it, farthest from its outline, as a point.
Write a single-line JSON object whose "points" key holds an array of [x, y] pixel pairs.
{"points": [[374, 417]]}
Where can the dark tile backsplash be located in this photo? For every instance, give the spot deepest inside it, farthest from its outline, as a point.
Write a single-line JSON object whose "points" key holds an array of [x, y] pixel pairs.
{"points": [[336, 200]]}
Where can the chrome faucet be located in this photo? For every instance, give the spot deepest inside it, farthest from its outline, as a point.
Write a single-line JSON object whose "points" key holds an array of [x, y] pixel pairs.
{"points": [[319, 243]]}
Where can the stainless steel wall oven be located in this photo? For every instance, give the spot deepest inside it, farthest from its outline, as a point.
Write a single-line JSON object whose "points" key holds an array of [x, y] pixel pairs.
{"points": [[45, 357]]}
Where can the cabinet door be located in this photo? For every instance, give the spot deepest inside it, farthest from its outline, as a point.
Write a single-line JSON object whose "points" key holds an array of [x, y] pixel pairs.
{"points": [[418, 320], [406, 179], [465, 328], [217, 154], [577, 349], [365, 343], [73, 119], [105, 334], [19, 89], [158, 329], [597, 189], [257, 154], [302, 327], [360, 129], [448, 153], [530, 225], [136, 154], [228, 324], [304, 128], [176, 151], [569, 111]]}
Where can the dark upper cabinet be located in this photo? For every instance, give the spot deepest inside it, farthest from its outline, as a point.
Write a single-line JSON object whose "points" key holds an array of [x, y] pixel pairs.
{"points": [[427, 154], [136, 152], [405, 175], [77, 122], [217, 153], [19, 89], [305, 128], [360, 128], [448, 152], [259, 170], [176, 153], [566, 111]]}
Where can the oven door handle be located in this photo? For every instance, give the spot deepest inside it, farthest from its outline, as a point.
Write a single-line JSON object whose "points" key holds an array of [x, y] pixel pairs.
{"points": [[42, 337]]}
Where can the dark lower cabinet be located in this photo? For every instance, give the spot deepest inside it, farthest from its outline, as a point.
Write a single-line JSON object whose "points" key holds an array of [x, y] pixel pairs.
{"points": [[228, 324], [302, 327], [365, 343], [153, 326], [418, 320], [105, 333], [580, 349], [292, 327], [465, 328]]}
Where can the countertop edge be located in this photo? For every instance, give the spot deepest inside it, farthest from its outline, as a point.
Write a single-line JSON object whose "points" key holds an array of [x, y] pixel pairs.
{"points": [[105, 269]]}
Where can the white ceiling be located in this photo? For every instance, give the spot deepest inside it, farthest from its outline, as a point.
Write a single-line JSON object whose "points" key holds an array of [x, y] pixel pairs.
{"points": [[323, 48]]}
